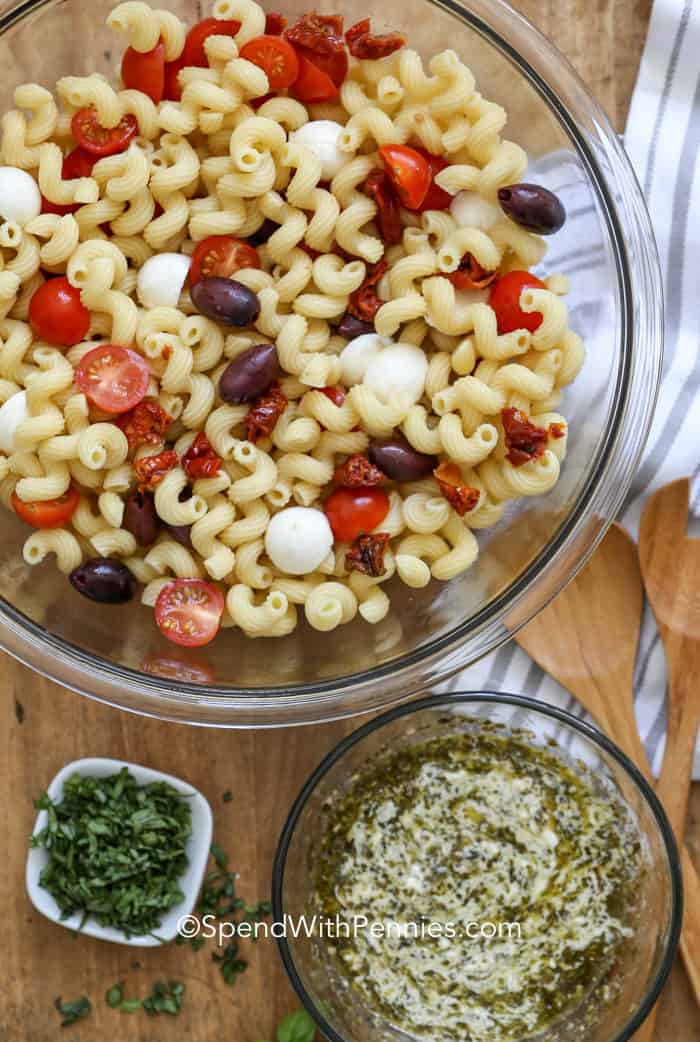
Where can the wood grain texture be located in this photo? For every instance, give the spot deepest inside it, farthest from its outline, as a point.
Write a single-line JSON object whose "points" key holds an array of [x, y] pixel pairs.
{"points": [[603, 39]]}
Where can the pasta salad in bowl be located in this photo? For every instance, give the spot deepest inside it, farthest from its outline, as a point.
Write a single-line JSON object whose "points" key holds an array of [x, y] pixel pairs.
{"points": [[279, 333]]}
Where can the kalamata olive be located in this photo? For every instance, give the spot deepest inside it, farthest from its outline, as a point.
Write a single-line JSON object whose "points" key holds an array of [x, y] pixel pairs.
{"points": [[263, 233], [350, 327], [399, 461], [532, 206], [181, 534], [103, 579], [249, 374], [140, 518], [225, 301]]}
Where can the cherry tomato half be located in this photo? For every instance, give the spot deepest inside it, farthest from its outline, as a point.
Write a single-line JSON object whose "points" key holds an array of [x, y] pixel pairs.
{"points": [[188, 612], [505, 301], [436, 198], [145, 71], [409, 173], [57, 315], [222, 256], [50, 513], [275, 57], [76, 164], [172, 90], [171, 668], [312, 84], [97, 139], [193, 52], [113, 377], [352, 511]]}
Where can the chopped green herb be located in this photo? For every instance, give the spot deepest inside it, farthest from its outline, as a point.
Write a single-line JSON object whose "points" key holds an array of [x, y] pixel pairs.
{"points": [[227, 796], [117, 850], [76, 1009], [165, 998], [136, 965], [219, 856], [296, 1027], [115, 995], [130, 1005], [229, 963]]}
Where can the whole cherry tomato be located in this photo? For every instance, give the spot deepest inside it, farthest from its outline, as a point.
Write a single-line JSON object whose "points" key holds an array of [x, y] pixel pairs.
{"points": [[436, 198], [113, 377], [49, 513], [352, 511], [312, 84], [145, 71], [221, 255], [505, 301], [275, 57], [409, 173], [193, 52], [99, 140], [188, 612], [57, 315]]}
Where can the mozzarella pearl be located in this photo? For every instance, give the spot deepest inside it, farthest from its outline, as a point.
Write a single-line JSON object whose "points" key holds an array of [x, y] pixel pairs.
{"points": [[298, 539], [471, 211], [20, 198], [356, 356], [399, 372], [12, 413], [161, 279], [321, 136]]}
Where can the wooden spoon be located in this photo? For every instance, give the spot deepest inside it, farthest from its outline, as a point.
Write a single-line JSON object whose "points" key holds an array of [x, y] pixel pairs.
{"points": [[586, 638]]}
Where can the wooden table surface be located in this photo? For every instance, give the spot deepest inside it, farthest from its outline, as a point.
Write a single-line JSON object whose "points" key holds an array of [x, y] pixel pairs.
{"points": [[45, 727]]}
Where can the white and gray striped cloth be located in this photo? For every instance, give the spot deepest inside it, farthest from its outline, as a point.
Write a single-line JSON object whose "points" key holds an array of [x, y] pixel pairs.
{"points": [[663, 141]]}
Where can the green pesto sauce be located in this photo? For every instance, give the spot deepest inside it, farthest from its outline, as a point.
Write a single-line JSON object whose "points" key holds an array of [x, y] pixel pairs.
{"points": [[476, 828]]}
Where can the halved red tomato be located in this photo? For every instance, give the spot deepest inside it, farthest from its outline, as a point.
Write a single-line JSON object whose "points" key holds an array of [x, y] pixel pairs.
{"points": [[113, 377], [49, 513], [436, 198], [188, 612], [505, 301], [221, 255], [193, 52], [409, 173], [99, 140], [76, 164], [354, 511], [312, 84], [275, 57], [172, 90], [57, 314], [173, 669], [145, 71]]}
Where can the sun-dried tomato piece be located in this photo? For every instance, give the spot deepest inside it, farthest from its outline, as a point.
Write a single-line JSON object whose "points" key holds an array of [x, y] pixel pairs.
{"points": [[378, 187], [357, 471], [200, 460], [470, 274], [524, 440], [463, 498], [335, 394], [261, 419], [321, 33], [362, 42], [364, 302], [366, 554], [152, 469], [274, 23], [145, 424], [557, 430]]}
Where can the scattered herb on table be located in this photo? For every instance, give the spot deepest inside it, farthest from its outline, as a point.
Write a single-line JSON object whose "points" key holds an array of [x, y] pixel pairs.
{"points": [[227, 796], [296, 1027], [76, 1009], [115, 995], [165, 998], [117, 850]]}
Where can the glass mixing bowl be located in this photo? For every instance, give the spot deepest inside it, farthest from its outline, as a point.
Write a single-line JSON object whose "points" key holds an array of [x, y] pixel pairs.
{"points": [[607, 247], [616, 1004]]}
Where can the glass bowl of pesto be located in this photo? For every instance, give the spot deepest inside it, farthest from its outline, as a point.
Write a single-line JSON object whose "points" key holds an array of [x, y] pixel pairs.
{"points": [[477, 866]]}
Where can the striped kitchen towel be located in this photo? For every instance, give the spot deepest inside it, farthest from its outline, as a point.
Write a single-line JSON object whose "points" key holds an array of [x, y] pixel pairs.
{"points": [[663, 141]]}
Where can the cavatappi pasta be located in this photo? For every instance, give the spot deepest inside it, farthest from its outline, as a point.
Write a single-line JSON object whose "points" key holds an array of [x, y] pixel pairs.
{"points": [[269, 335]]}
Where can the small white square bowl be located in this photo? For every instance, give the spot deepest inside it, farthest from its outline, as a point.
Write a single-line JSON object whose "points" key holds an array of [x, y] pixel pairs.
{"points": [[198, 847]]}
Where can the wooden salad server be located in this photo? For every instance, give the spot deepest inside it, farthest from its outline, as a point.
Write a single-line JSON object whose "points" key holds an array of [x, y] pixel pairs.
{"points": [[586, 638]]}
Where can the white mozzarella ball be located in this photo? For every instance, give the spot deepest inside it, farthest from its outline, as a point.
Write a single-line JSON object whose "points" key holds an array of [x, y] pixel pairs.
{"points": [[471, 211], [298, 539], [356, 356], [161, 279], [321, 136], [12, 413], [20, 198], [397, 372]]}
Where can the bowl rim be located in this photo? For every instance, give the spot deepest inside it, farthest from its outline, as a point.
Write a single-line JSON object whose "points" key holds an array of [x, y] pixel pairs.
{"points": [[528, 704], [352, 693]]}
